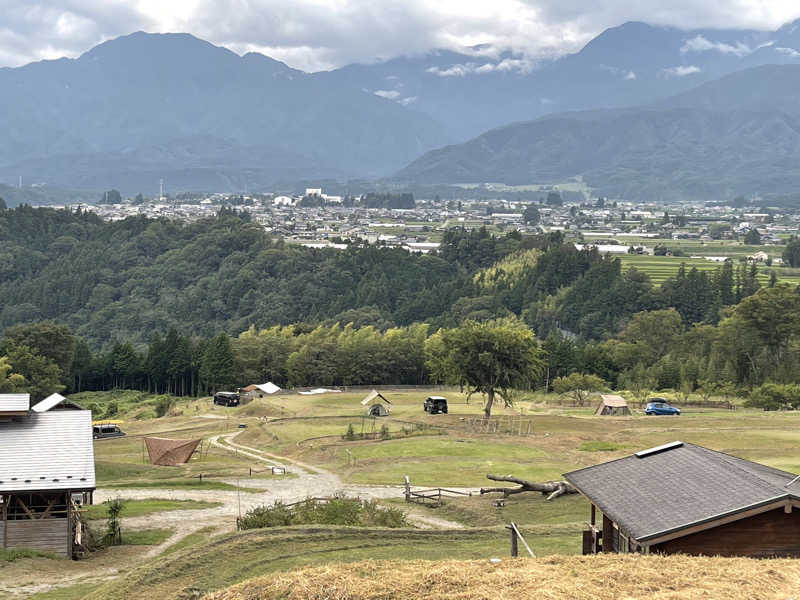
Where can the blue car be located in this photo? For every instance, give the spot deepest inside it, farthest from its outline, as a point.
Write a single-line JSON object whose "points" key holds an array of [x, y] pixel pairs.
{"points": [[661, 408]]}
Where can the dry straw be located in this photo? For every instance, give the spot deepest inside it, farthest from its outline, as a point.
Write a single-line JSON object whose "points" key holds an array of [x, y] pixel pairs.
{"points": [[612, 577]]}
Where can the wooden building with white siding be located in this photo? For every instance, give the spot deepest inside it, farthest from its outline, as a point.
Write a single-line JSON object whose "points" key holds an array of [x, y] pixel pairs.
{"points": [[46, 469]]}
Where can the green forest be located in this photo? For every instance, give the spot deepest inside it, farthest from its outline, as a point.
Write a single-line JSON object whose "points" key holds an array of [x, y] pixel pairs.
{"points": [[191, 308]]}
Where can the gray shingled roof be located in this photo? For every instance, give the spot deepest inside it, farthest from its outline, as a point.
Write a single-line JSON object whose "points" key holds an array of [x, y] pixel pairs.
{"points": [[678, 487], [52, 450]]}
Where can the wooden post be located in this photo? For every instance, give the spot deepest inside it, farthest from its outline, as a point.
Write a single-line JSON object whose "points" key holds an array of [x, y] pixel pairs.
{"points": [[408, 489], [514, 547], [594, 515], [608, 534]]}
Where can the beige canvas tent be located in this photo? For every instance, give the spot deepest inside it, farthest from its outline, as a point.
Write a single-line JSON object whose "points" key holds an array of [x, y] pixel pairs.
{"points": [[376, 408], [171, 453], [612, 405]]}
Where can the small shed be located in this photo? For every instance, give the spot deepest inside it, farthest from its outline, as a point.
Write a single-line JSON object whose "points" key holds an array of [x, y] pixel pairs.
{"points": [[258, 390], [377, 404], [46, 469], [680, 498], [612, 405]]}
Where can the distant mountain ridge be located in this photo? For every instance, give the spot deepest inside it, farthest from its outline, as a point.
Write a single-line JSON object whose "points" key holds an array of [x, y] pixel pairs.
{"points": [[737, 135], [125, 109], [147, 106], [629, 65]]}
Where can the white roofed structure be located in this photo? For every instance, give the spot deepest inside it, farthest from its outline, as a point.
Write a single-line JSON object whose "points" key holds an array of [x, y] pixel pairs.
{"points": [[46, 462], [15, 403], [47, 451]]}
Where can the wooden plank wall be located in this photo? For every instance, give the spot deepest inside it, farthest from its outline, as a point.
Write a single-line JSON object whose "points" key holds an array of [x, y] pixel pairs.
{"points": [[49, 535], [774, 533]]}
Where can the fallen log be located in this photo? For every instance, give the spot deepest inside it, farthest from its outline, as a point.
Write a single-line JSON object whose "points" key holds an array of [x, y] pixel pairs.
{"points": [[551, 489]]}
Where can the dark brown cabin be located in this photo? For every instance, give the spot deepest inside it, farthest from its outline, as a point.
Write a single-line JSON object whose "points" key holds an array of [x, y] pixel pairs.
{"points": [[46, 472], [682, 498]]}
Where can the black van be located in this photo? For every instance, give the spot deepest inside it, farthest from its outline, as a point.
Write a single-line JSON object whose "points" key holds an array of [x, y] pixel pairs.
{"points": [[226, 398]]}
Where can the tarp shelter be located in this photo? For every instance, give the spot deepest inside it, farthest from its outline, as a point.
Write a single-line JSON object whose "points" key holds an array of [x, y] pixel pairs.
{"points": [[167, 452], [376, 409], [612, 405]]}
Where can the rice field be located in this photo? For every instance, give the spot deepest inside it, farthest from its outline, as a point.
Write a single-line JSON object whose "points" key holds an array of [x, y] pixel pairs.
{"points": [[661, 268]]}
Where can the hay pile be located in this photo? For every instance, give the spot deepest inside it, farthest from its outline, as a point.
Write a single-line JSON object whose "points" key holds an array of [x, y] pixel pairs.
{"points": [[611, 577]]}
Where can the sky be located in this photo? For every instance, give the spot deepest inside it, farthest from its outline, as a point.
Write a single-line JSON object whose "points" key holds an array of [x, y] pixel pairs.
{"points": [[322, 34]]}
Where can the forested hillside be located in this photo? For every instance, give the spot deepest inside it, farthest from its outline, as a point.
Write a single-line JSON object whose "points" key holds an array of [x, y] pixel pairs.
{"points": [[190, 308]]}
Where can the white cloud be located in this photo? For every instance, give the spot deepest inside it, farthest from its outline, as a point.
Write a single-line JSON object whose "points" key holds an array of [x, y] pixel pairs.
{"points": [[520, 65], [630, 76], [702, 44], [388, 94], [321, 34], [789, 52], [681, 71], [408, 100]]}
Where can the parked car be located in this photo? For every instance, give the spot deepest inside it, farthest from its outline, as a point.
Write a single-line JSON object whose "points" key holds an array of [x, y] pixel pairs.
{"points": [[226, 398], [661, 408], [106, 430], [435, 405]]}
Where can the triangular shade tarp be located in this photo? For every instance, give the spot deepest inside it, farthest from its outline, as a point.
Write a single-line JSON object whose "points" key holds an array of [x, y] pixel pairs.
{"points": [[167, 452]]}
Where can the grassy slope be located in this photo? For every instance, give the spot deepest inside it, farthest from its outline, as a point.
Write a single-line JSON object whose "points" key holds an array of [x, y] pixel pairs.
{"points": [[233, 558], [598, 577]]}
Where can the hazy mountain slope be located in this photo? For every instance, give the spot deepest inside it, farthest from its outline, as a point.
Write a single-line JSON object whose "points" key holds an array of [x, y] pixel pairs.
{"points": [[629, 65], [708, 143], [153, 92]]}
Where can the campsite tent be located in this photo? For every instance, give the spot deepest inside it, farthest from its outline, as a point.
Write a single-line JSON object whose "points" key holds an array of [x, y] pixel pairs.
{"points": [[167, 452], [376, 409], [612, 405]]}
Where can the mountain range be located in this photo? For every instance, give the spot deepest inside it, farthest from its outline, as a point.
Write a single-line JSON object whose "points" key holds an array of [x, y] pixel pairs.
{"points": [[143, 107], [737, 135]]}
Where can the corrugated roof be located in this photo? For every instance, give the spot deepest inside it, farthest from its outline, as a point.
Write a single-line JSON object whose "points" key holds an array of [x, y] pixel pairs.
{"points": [[51, 401], [677, 488], [14, 402], [47, 451]]}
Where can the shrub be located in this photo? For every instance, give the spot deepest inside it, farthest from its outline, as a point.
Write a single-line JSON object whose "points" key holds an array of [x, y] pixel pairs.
{"points": [[350, 434], [340, 510], [163, 405], [773, 396], [385, 432]]}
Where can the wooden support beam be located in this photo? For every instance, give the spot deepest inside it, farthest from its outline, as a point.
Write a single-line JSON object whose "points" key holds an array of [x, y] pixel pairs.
{"points": [[25, 508]]}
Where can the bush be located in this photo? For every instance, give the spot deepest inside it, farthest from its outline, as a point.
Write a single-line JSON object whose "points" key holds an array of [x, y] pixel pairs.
{"points": [[385, 432], [352, 512], [163, 405], [773, 396], [350, 434]]}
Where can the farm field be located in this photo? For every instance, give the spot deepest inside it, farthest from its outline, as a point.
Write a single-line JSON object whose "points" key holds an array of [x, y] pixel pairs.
{"points": [[660, 268]]}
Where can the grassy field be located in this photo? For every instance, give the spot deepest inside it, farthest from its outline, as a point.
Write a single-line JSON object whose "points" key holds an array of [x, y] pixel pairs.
{"points": [[433, 450], [140, 508], [457, 454]]}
